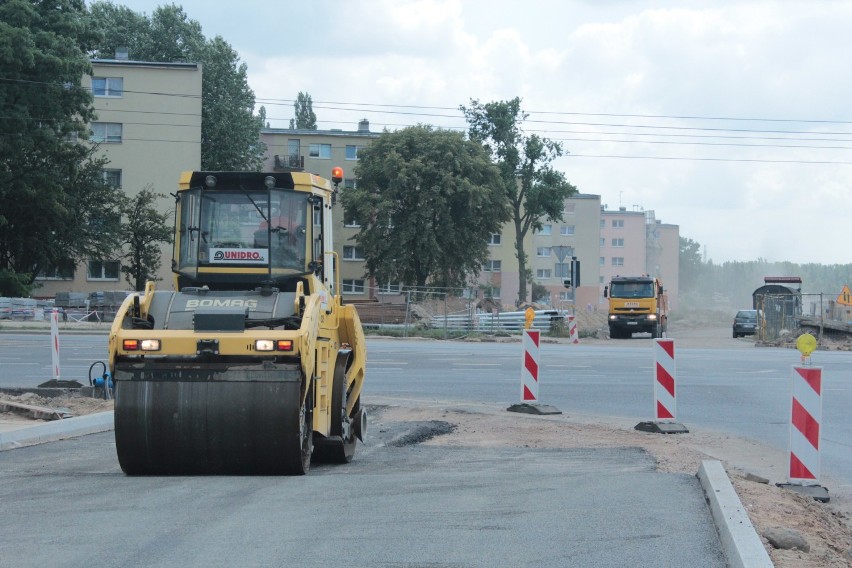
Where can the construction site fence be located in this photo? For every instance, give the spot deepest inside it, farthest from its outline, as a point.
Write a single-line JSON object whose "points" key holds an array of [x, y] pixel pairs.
{"points": [[451, 313], [781, 314], [71, 306]]}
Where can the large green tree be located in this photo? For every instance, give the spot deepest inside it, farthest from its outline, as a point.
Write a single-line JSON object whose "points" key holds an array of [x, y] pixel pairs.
{"points": [[426, 200], [689, 265], [303, 108], [230, 131], [145, 228], [534, 189], [54, 203]]}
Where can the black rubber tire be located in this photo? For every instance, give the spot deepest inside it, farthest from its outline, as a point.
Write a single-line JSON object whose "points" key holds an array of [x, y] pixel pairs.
{"points": [[337, 448]]}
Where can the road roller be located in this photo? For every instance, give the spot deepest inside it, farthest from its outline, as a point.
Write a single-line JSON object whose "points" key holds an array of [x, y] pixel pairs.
{"points": [[251, 364]]}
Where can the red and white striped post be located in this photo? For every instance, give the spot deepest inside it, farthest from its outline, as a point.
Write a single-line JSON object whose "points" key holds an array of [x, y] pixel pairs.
{"points": [[54, 340], [805, 421], [572, 330], [529, 370], [665, 400]]}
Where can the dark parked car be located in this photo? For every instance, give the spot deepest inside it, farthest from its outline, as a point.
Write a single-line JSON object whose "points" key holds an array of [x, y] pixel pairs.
{"points": [[745, 323]]}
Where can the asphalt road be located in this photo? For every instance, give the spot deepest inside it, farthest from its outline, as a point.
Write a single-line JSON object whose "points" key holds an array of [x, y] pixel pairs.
{"points": [[737, 389], [396, 506]]}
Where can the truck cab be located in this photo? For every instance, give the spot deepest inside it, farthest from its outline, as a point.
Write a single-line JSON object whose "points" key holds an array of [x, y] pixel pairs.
{"points": [[637, 304]]}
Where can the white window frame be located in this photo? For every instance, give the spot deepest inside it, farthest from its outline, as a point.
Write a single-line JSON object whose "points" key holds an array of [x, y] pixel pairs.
{"points": [[618, 223], [491, 291], [390, 288], [351, 252], [113, 173], [618, 243], [603, 261], [319, 151], [351, 152], [543, 273], [567, 230], [546, 230], [493, 266], [543, 252], [352, 285], [570, 208], [57, 273], [103, 277], [603, 242], [618, 261], [106, 132], [113, 87], [494, 239]]}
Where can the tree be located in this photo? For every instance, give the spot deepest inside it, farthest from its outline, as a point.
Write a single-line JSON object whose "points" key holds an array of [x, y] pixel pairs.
{"points": [[54, 203], [230, 132], [689, 265], [141, 234], [534, 189], [304, 110], [427, 200]]}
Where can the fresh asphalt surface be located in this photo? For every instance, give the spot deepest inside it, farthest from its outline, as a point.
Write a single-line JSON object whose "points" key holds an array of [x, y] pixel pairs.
{"points": [[409, 506]]}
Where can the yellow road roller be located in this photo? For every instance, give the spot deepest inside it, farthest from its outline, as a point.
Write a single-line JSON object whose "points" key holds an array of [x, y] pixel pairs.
{"points": [[252, 365]]}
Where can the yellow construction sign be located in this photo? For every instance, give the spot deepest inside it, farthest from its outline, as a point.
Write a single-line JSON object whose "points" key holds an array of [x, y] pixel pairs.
{"points": [[845, 296]]}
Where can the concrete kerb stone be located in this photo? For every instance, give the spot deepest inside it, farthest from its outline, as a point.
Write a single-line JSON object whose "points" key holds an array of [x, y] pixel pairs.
{"points": [[57, 430], [740, 542]]}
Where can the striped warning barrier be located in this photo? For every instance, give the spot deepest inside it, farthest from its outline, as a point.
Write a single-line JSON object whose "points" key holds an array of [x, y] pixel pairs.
{"points": [[805, 421], [572, 330], [665, 401], [54, 340], [529, 370]]}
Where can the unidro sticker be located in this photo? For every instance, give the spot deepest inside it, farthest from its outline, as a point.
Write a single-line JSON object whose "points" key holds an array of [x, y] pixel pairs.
{"points": [[238, 256]]}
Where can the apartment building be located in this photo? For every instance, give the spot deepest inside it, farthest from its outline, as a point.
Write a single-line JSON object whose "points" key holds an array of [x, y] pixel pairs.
{"points": [[557, 243], [633, 242], [148, 126]]}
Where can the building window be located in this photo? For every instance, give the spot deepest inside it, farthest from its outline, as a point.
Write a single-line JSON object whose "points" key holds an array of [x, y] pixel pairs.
{"points": [[618, 242], [322, 151], [389, 288], [603, 242], [617, 223], [603, 223], [603, 261], [352, 253], [569, 208], [618, 261], [349, 220], [492, 266], [103, 270], [545, 230], [113, 178], [543, 252], [350, 183], [566, 230], [353, 286], [494, 239], [64, 270], [543, 273], [107, 86], [562, 269], [492, 292], [351, 152], [109, 132], [565, 296]]}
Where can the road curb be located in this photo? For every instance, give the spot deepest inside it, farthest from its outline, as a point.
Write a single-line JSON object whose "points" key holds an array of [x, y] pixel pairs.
{"points": [[57, 430], [740, 542]]}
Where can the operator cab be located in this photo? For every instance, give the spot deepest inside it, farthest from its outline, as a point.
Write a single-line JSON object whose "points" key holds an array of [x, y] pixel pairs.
{"points": [[238, 230]]}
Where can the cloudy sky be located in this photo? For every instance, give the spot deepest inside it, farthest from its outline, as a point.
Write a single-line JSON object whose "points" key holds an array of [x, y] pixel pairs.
{"points": [[731, 119]]}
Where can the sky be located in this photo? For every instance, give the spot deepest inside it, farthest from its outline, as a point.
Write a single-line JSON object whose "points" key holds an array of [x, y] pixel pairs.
{"points": [[731, 119]]}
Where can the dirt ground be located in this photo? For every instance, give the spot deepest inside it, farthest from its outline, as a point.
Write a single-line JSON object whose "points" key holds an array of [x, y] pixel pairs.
{"points": [[826, 527]]}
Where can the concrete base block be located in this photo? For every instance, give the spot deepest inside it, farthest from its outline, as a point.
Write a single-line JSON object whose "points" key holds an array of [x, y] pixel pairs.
{"points": [[815, 492], [530, 408], [662, 428]]}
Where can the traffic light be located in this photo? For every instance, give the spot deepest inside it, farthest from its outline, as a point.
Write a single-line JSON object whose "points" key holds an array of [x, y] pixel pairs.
{"points": [[575, 270]]}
